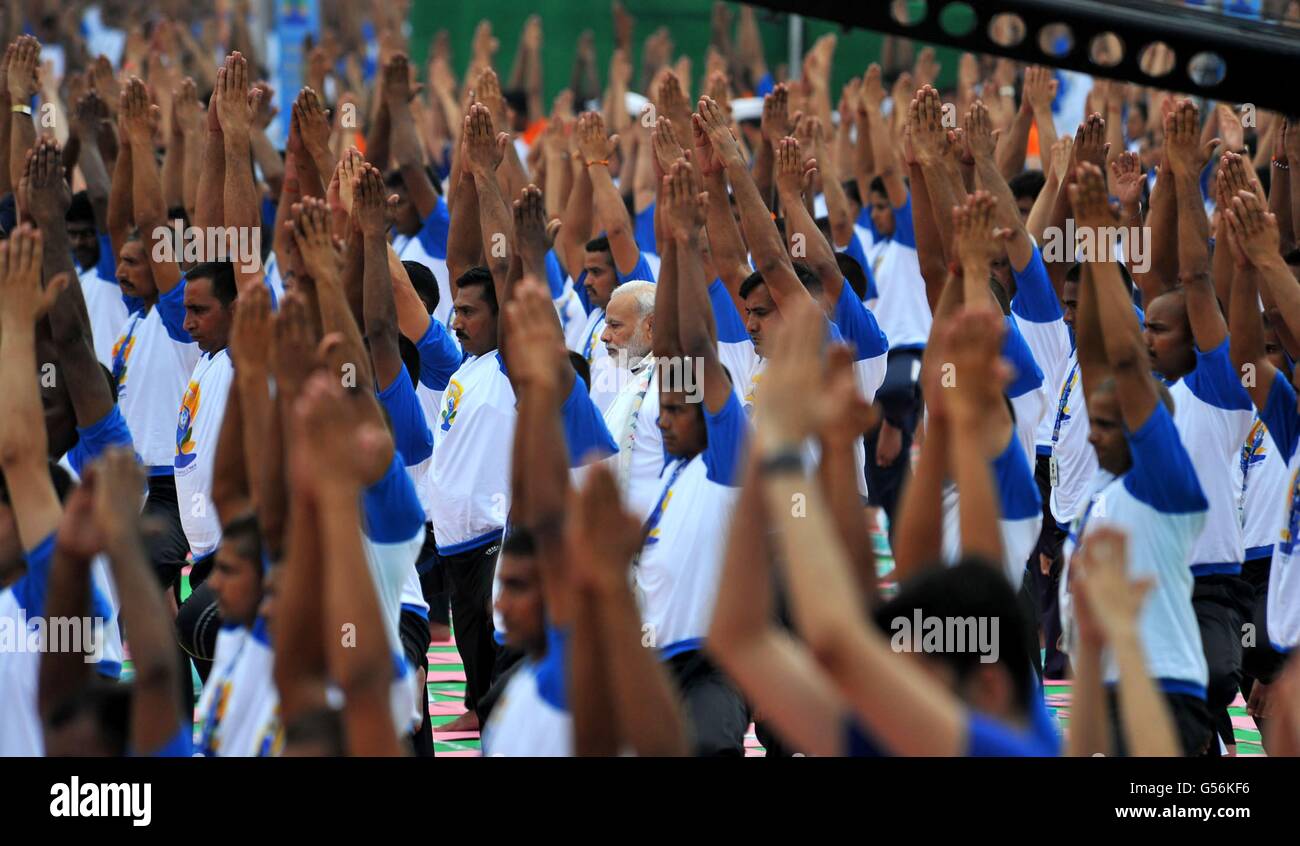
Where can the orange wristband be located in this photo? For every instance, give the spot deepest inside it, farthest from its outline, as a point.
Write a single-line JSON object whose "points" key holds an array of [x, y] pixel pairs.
{"points": [[604, 162]]}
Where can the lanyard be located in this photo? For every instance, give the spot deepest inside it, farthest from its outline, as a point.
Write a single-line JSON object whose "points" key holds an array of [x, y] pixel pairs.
{"points": [[124, 345], [1062, 402], [591, 340], [652, 522]]}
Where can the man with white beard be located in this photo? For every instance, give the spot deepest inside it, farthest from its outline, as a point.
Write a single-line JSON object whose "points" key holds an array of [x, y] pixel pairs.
{"points": [[633, 415]]}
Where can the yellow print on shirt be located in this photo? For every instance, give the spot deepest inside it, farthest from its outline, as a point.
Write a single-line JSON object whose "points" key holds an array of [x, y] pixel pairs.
{"points": [[122, 348], [753, 391], [185, 426], [451, 404]]}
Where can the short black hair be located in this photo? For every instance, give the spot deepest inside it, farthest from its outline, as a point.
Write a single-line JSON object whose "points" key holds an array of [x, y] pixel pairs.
{"points": [[972, 588], [222, 274], [481, 277], [1027, 183], [517, 99], [599, 244], [519, 541], [853, 274], [1075, 273], [581, 367], [244, 533], [80, 211], [850, 187], [424, 283], [809, 279]]}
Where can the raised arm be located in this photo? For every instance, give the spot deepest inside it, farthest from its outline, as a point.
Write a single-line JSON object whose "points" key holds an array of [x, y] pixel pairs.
{"points": [[979, 133], [1253, 238], [141, 120], [156, 710], [379, 309], [405, 141], [1187, 157], [236, 105], [23, 83], [764, 240], [792, 173], [611, 213], [484, 150]]}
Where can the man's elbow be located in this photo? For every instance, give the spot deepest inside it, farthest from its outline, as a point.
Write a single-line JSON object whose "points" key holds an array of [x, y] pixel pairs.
{"points": [[831, 645]]}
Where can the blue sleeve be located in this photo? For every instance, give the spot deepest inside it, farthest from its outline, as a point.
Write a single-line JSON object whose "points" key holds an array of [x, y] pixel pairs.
{"points": [[439, 357], [1216, 382], [107, 265], [1017, 491], [643, 229], [171, 308], [858, 742], [765, 86], [858, 326], [904, 233], [411, 433], [989, 738], [854, 251], [585, 431], [580, 288], [731, 328], [552, 671], [554, 275], [1035, 298], [1280, 416], [641, 271], [180, 746], [864, 219], [390, 507], [1162, 474], [433, 232], [268, 212], [110, 430], [30, 590], [727, 431], [1029, 376]]}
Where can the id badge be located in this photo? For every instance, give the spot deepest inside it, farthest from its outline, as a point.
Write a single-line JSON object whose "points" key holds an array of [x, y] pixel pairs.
{"points": [[1053, 471]]}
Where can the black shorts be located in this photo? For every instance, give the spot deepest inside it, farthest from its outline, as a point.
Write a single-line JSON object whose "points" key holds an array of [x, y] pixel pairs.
{"points": [[414, 630], [715, 711], [1259, 660], [1193, 725]]}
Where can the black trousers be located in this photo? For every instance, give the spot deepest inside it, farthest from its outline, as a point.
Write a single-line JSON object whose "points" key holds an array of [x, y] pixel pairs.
{"points": [[1222, 604], [469, 578], [715, 711], [1045, 588], [432, 580], [415, 646], [899, 397], [164, 537], [1193, 725]]}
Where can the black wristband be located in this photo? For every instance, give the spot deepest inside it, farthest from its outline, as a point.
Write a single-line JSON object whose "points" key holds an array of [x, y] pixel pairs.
{"points": [[785, 460]]}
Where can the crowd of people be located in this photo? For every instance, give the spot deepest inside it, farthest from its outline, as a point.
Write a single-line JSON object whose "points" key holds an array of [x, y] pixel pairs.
{"points": [[625, 391]]}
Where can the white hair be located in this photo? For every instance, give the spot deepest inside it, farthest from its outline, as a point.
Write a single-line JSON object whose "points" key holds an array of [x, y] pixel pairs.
{"points": [[642, 291]]}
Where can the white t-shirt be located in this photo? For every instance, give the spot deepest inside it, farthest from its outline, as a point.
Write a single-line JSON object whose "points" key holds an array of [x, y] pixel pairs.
{"points": [[681, 562], [1159, 504], [1260, 480], [239, 709], [1036, 312], [198, 426], [633, 421], [1072, 455], [1020, 512], [106, 310], [902, 309], [1283, 610], [152, 362], [472, 438], [532, 719], [1213, 414]]}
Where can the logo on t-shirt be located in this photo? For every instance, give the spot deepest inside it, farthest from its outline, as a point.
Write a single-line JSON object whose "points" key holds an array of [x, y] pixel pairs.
{"points": [[121, 355], [209, 743], [451, 403], [185, 427]]}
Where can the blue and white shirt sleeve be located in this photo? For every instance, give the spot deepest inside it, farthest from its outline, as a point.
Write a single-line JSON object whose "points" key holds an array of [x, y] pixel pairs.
{"points": [[1035, 298], [554, 275], [1029, 376], [728, 431], [390, 507], [180, 746], [640, 271], [553, 670], [30, 589], [1281, 418], [1018, 494], [110, 430], [989, 738], [858, 326], [1215, 381], [171, 309], [854, 251], [1162, 474], [904, 233], [411, 433], [585, 431], [643, 229], [439, 357], [434, 229]]}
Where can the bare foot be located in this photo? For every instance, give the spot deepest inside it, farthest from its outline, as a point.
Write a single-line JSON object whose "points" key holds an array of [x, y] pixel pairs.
{"points": [[467, 721]]}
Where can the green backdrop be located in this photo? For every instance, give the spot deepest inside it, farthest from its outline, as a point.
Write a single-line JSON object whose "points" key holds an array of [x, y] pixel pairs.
{"points": [[688, 20]]}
